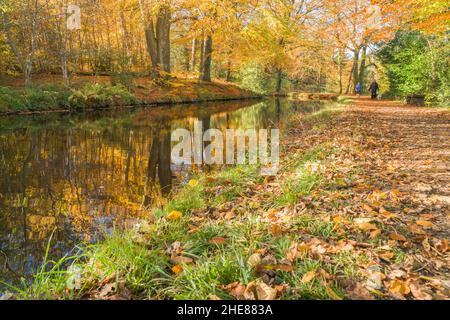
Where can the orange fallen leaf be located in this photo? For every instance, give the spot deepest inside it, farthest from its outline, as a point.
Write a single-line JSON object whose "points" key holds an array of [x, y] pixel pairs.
{"points": [[275, 229], [397, 237], [217, 240], [399, 287], [177, 269], [386, 255], [375, 233]]}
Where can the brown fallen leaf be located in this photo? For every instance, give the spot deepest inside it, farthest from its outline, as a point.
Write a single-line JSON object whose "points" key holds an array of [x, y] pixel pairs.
{"points": [[265, 292], [236, 289], [107, 290], [254, 260], [181, 260], [419, 293], [360, 292]]}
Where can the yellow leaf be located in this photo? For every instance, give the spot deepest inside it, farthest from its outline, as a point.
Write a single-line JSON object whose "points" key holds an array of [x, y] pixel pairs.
{"points": [[308, 276], [366, 226], [193, 183], [174, 215], [333, 295], [424, 223]]}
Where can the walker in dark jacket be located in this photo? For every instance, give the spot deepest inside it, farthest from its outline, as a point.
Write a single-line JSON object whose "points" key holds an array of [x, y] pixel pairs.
{"points": [[374, 87]]}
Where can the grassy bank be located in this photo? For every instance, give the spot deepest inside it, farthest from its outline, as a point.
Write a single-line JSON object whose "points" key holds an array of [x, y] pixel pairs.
{"points": [[106, 92], [230, 234]]}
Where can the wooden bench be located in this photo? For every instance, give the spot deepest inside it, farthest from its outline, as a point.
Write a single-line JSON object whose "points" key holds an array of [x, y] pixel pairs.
{"points": [[416, 99]]}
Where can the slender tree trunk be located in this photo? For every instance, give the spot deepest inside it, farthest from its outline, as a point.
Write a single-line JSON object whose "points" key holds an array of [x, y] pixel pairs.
{"points": [[362, 70], [229, 71], [207, 60], [194, 54], [355, 69], [187, 61], [341, 70], [202, 55], [349, 83]]}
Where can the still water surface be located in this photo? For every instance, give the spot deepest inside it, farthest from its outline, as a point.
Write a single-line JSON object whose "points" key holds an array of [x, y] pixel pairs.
{"points": [[76, 175]]}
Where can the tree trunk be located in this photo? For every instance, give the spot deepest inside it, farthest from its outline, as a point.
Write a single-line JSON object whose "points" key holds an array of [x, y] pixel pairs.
{"points": [[341, 70], [202, 56], [362, 70], [187, 57], [157, 36], [163, 38], [229, 71], [279, 81], [207, 59], [349, 83], [193, 54], [355, 69]]}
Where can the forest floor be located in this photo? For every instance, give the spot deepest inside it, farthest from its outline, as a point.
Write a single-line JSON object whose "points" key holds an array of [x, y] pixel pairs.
{"points": [[359, 210]]}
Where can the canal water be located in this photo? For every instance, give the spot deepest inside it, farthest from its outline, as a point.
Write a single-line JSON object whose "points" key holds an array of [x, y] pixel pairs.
{"points": [[71, 177]]}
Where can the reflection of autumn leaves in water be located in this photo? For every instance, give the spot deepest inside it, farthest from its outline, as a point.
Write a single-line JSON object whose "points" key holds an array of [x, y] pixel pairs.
{"points": [[82, 175]]}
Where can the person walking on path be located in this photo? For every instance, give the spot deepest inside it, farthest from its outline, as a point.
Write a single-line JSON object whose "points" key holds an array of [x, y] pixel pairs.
{"points": [[358, 89], [374, 87]]}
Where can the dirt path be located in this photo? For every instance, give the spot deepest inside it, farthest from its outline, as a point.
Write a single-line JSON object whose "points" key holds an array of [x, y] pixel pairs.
{"points": [[404, 153], [408, 149]]}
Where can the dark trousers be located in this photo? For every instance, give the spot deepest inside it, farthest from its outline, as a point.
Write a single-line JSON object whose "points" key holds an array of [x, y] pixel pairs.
{"points": [[374, 95]]}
